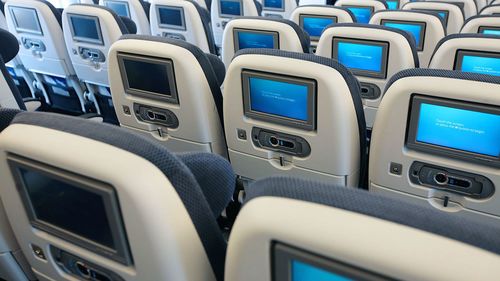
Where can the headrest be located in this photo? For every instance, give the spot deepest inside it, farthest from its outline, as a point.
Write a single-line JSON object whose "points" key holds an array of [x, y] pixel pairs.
{"points": [[495, 8], [130, 24], [443, 24], [351, 81], [205, 60], [461, 36], [374, 205], [121, 24], [179, 175], [6, 117], [57, 12], [486, 20], [10, 45], [333, 8], [409, 38]]}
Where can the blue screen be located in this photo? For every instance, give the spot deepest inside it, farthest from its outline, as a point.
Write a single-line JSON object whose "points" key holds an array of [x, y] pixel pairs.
{"points": [[360, 56], [413, 29], [483, 65], [442, 15], [393, 5], [170, 16], [85, 27], [314, 26], [361, 14], [276, 4], [460, 129], [255, 40], [119, 8], [305, 272], [230, 8], [279, 98], [491, 31]]}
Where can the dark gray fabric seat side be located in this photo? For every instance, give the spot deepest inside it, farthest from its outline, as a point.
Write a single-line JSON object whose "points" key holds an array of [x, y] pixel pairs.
{"points": [[6, 117], [180, 176], [453, 226], [8, 50]]}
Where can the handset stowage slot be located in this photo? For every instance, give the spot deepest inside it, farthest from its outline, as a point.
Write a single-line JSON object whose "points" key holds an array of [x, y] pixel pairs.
{"points": [[281, 142]]}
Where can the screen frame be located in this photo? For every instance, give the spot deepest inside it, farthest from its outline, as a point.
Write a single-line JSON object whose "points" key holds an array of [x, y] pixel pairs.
{"points": [[222, 15], [169, 26], [282, 9], [119, 2], [107, 192], [483, 28], [172, 99], [303, 16], [372, 10], [309, 125], [460, 53], [412, 128], [423, 26], [446, 13], [365, 73], [16, 24], [99, 41], [236, 40], [282, 256]]}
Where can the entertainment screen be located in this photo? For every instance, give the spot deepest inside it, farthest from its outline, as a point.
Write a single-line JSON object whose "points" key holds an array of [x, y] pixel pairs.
{"points": [[362, 57], [245, 38], [285, 100], [292, 264], [442, 14], [72, 207], [25, 20], [171, 17], [416, 29], [314, 24], [85, 29], [489, 30], [274, 5], [478, 62], [453, 128], [392, 4], [361, 13], [119, 7], [148, 77], [230, 8]]}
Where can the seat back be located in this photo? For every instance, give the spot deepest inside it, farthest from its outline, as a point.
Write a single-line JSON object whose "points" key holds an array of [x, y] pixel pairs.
{"points": [[283, 111], [184, 20], [482, 24], [426, 28], [451, 13], [10, 97], [362, 9], [373, 53], [479, 53], [291, 229], [313, 19], [491, 10], [163, 230], [168, 89], [136, 10], [222, 11], [435, 142], [265, 33], [37, 26], [280, 9], [89, 31]]}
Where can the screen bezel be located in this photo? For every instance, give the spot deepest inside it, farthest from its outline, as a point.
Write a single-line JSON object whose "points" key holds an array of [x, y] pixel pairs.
{"points": [[169, 26], [365, 73], [459, 55], [118, 2], [173, 98], [446, 13], [308, 125], [16, 24], [107, 192], [412, 128], [265, 8], [281, 264], [97, 23], [236, 40], [483, 28], [423, 26], [372, 10], [222, 15], [303, 16]]}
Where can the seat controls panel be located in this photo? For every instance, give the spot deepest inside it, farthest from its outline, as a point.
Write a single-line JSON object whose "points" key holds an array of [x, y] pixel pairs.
{"points": [[455, 181], [281, 142], [92, 54], [370, 91], [155, 115]]}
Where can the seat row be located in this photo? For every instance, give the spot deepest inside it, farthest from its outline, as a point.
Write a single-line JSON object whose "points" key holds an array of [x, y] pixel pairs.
{"points": [[134, 211]]}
